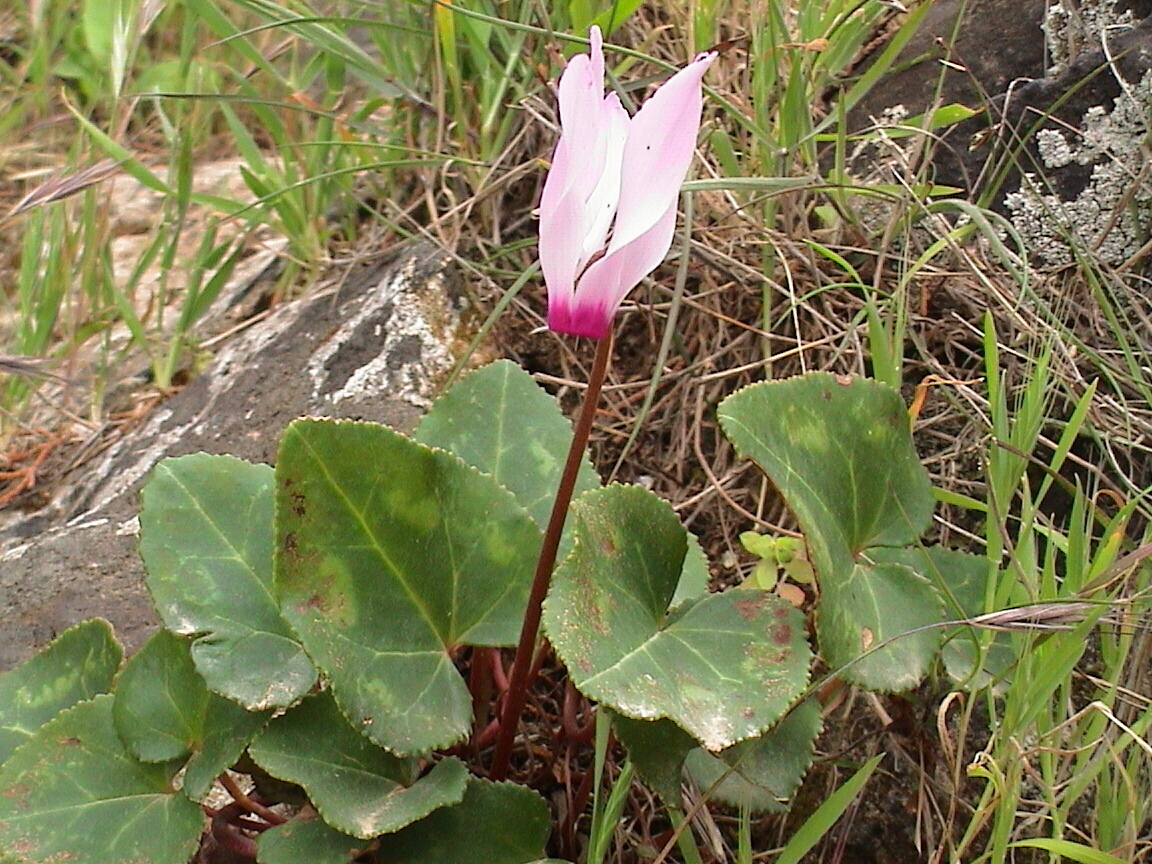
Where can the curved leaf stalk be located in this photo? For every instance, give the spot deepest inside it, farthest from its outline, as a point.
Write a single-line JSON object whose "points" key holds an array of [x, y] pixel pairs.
{"points": [[525, 649], [246, 802]]}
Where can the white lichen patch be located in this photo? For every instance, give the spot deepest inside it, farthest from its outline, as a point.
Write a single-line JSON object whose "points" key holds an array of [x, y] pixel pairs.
{"points": [[1111, 217], [415, 338], [1054, 148], [1073, 27]]}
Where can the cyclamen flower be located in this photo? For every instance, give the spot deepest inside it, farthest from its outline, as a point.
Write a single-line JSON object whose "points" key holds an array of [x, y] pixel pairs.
{"points": [[608, 209]]}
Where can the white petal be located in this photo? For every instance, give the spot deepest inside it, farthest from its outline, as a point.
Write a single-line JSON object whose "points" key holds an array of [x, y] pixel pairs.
{"points": [[602, 202], [661, 139], [607, 282]]}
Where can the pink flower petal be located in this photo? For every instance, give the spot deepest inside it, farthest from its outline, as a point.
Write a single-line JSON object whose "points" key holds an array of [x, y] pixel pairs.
{"points": [[607, 282], [582, 189], [612, 175], [561, 233], [661, 139], [602, 202]]}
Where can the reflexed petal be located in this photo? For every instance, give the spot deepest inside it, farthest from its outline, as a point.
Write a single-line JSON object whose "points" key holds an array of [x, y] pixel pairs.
{"points": [[612, 174], [596, 54], [661, 139], [581, 88]]}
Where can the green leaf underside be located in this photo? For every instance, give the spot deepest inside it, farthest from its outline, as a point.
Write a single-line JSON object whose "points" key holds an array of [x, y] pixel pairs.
{"points": [[389, 555], [80, 663], [724, 667], [164, 711], [762, 773], [206, 540], [357, 787], [496, 823], [840, 453], [501, 422], [309, 840], [74, 793]]}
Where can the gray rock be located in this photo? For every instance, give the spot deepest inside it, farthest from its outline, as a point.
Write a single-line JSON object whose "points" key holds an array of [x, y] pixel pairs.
{"points": [[1084, 132], [970, 49], [1067, 89], [371, 347]]}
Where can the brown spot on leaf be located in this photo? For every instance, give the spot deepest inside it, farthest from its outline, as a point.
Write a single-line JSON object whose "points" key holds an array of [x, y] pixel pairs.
{"points": [[597, 620], [866, 638], [750, 607], [290, 543], [782, 634], [607, 546], [316, 601], [591, 612], [68, 741], [843, 380], [763, 654], [298, 501]]}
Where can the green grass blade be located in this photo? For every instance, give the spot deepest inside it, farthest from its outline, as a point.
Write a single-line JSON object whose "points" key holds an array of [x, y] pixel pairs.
{"points": [[1068, 849], [821, 822]]}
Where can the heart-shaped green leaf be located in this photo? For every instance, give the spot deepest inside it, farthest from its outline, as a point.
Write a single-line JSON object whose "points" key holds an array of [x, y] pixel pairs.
{"points": [[358, 787], [164, 711], [878, 602], [498, 419], [762, 773], [724, 667], [838, 449], [160, 700], [840, 452], [77, 665], [308, 840], [73, 792], [974, 658], [389, 556], [206, 541], [496, 823]]}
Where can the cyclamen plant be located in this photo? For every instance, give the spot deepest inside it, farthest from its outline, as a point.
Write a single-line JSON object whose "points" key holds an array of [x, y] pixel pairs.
{"points": [[610, 175], [335, 627]]}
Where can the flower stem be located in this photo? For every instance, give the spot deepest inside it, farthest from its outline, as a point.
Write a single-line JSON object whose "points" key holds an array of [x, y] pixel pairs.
{"points": [[518, 683]]}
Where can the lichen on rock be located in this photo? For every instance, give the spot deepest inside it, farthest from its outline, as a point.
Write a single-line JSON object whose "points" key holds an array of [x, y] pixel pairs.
{"points": [[1070, 29], [1111, 216]]}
